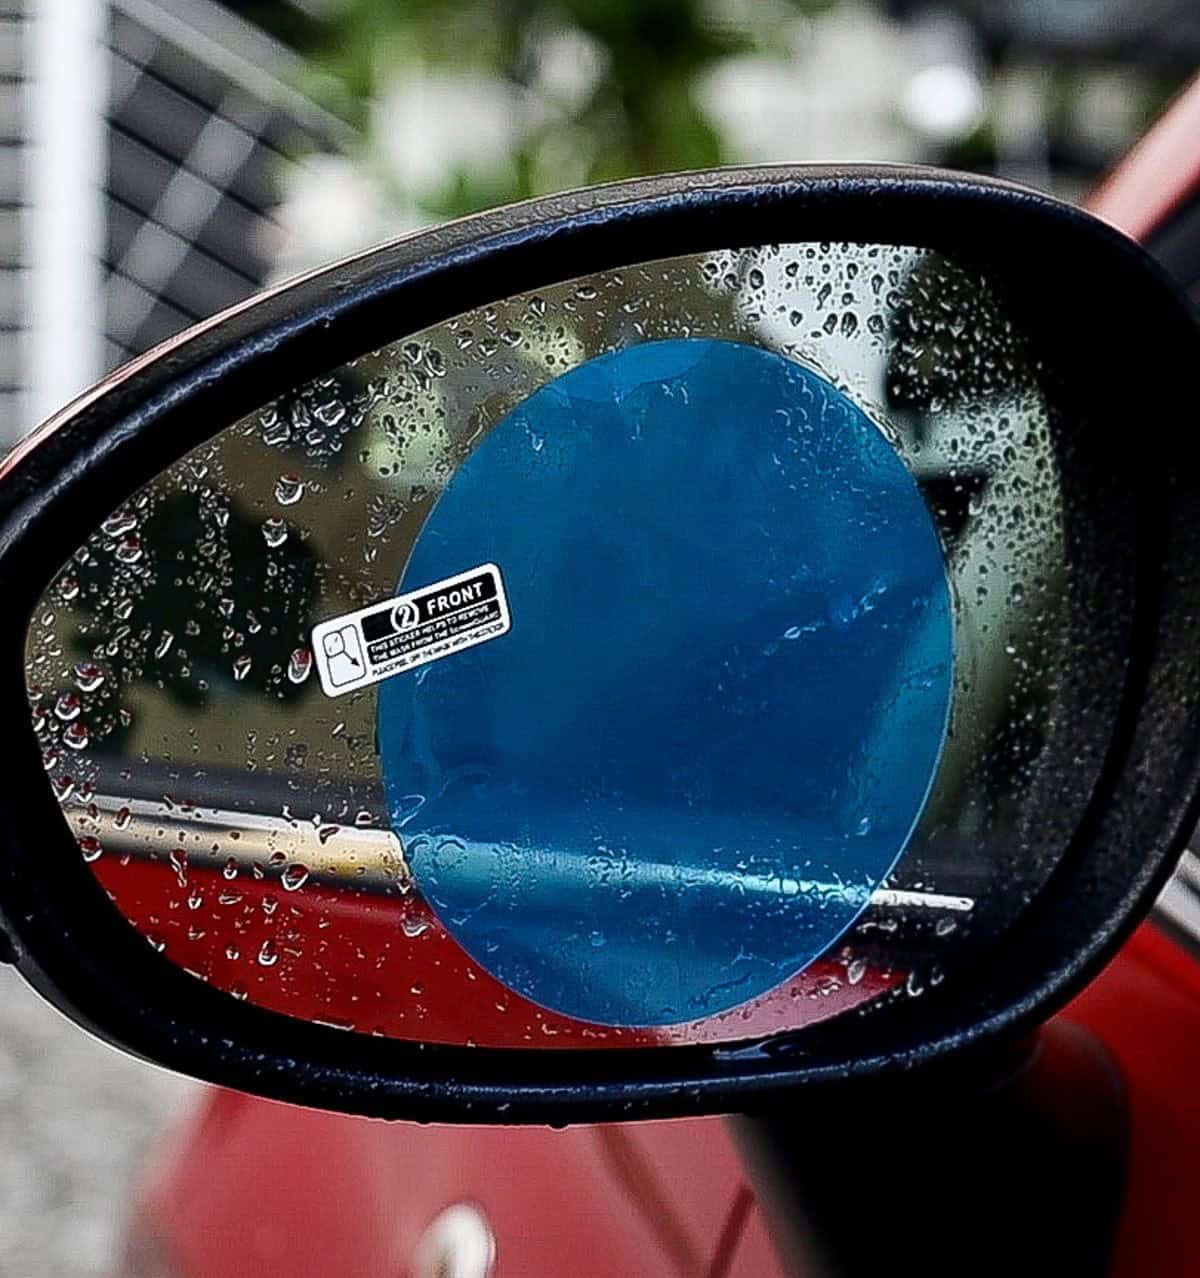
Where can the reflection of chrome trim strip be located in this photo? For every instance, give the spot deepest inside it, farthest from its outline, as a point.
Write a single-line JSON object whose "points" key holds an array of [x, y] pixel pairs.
{"points": [[369, 859]]}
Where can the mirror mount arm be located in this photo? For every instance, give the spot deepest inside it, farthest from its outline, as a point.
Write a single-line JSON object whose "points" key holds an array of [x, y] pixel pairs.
{"points": [[996, 1163]]}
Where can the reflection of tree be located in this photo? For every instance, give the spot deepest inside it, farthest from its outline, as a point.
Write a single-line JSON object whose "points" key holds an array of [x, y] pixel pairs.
{"points": [[216, 592], [471, 103]]}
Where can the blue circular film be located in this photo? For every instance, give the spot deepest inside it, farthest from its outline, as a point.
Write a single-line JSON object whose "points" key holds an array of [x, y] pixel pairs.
{"points": [[714, 723]]}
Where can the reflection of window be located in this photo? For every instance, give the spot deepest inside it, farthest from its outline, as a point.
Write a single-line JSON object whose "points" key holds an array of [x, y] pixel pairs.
{"points": [[201, 123]]}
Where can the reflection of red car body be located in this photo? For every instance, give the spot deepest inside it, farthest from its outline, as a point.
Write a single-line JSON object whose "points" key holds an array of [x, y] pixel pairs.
{"points": [[333, 957], [252, 1187]]}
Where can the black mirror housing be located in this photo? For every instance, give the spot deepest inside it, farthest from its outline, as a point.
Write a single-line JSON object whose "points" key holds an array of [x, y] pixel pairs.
{"points": [[1109, 339]]}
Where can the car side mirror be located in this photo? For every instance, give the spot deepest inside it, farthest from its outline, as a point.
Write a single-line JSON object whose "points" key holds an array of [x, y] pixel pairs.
{"points": [[621, 655]]}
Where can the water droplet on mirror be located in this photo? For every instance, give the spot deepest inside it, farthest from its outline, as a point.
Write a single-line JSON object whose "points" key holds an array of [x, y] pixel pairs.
{"points": [[121, 818], [412, 928], [294, 877], [118, 524], [230, 870], [326, 832], [68, 706], [268, 955], [289, 489], [90, 847], [179, 863], [241, 667], [76, 736], [275, 532], [88, 676], [856, 970], [129, 551], [276, 433], [404, 809], [299, 665], [166, 639], [68, 588], [276, 859]]}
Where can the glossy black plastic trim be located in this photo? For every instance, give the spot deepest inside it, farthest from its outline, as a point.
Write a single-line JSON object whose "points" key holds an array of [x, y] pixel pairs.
{"points": [[1119, 335]]}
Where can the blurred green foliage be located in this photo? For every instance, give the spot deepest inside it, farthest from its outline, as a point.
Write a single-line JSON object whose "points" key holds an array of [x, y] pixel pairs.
{"points": [[606, 88]]}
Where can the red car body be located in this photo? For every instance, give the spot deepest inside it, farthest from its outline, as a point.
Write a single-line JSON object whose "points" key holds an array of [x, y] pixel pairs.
{"points": [[247, 1186]]}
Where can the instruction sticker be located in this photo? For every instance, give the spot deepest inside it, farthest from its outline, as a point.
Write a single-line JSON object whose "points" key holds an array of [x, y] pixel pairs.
{"points": [[410, 630]]}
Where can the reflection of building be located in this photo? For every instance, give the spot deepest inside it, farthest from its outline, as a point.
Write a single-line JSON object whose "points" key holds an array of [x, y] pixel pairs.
{"points": [[168, 123]]}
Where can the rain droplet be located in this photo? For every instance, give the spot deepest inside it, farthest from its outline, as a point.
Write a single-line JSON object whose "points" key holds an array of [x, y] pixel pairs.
{"points": [[299, 665], [76, 736], [856, 970], [268, 956], [274, 531], [241, 667], [179, 863], [230, 870], [67, 707], [406, 808], [289, 489], [121, 818], [326, 832], [129, 550], [118, 524], [412, 928], [88, 676], [90, 847], [166, 639], [68, 588], [294, 877], [276, 433]]}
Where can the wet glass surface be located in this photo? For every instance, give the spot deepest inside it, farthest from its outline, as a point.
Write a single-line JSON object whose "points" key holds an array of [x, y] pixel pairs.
{"points": [[765, 519]]}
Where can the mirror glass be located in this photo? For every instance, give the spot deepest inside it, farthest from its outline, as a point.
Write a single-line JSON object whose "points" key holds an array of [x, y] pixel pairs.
{"points": [[676, 654]]}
